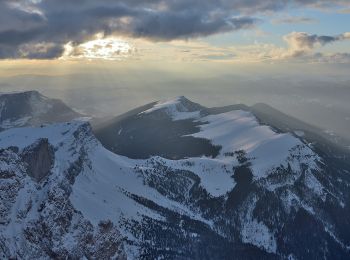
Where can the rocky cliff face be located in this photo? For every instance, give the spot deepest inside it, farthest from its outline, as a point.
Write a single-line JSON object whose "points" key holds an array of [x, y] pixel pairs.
{"points": [[37, 218], [39, 158]]}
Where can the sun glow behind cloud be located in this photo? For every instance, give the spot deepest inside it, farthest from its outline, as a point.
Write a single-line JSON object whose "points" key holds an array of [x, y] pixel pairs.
{"points": [[110, 48]]}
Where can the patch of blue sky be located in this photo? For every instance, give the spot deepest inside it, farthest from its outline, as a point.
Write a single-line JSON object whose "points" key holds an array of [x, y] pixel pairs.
{"points": [[271, 30]]}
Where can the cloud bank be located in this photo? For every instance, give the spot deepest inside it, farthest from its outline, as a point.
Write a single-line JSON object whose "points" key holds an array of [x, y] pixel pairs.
{"points": [[40, 28], [301, 43]]}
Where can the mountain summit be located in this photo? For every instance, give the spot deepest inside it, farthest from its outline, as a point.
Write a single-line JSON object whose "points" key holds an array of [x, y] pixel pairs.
{"points": [[31, 108], [178, 108]]}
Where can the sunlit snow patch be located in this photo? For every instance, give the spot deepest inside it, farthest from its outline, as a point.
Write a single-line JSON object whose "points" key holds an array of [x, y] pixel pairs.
{"points": [[239, 130]]}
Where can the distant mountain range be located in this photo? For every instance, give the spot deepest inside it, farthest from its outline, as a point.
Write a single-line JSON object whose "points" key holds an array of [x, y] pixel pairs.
{"points": [[169, 180], [19, 109]]}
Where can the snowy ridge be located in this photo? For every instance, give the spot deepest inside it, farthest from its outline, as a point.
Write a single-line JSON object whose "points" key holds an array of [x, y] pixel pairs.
{"points": [[57, 134], [102, 189], [29, 197], [239, 131], [95, 204], [177, 108]]}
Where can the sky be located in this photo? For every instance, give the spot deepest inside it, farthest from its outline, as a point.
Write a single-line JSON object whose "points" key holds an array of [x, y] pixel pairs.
{"points": [[105, 57], [182, 30]]}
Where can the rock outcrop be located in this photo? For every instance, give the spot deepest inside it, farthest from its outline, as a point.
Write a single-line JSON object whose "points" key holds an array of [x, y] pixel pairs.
{"points": [[39, 158]]}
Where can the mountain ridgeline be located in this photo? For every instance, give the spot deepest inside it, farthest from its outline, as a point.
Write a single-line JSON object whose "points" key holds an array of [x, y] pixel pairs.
{"points": [[141, 135], [169, 180], [31, 108]]}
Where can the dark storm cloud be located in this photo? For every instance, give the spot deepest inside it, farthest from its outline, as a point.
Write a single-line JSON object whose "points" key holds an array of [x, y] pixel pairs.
{"points": [[56, 22]]}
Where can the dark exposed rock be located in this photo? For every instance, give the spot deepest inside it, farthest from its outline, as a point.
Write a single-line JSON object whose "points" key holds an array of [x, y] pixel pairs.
{"points": [[39, 158]]}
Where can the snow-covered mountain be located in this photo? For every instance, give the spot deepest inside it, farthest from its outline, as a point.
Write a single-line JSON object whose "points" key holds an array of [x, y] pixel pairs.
{"points": [[179, 181], [19, 109]]}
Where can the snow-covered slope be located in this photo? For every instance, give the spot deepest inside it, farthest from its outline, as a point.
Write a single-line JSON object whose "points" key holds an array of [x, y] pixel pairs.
{"points": [[102, 189], [179, 108], [19, 109], [262, 180], [240, 131], [262, 195], [231, 132], [38, 221]]}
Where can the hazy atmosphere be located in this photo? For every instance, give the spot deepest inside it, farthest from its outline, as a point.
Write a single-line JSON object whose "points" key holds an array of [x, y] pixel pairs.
{"points": [[106, 57], [320, 96]]}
